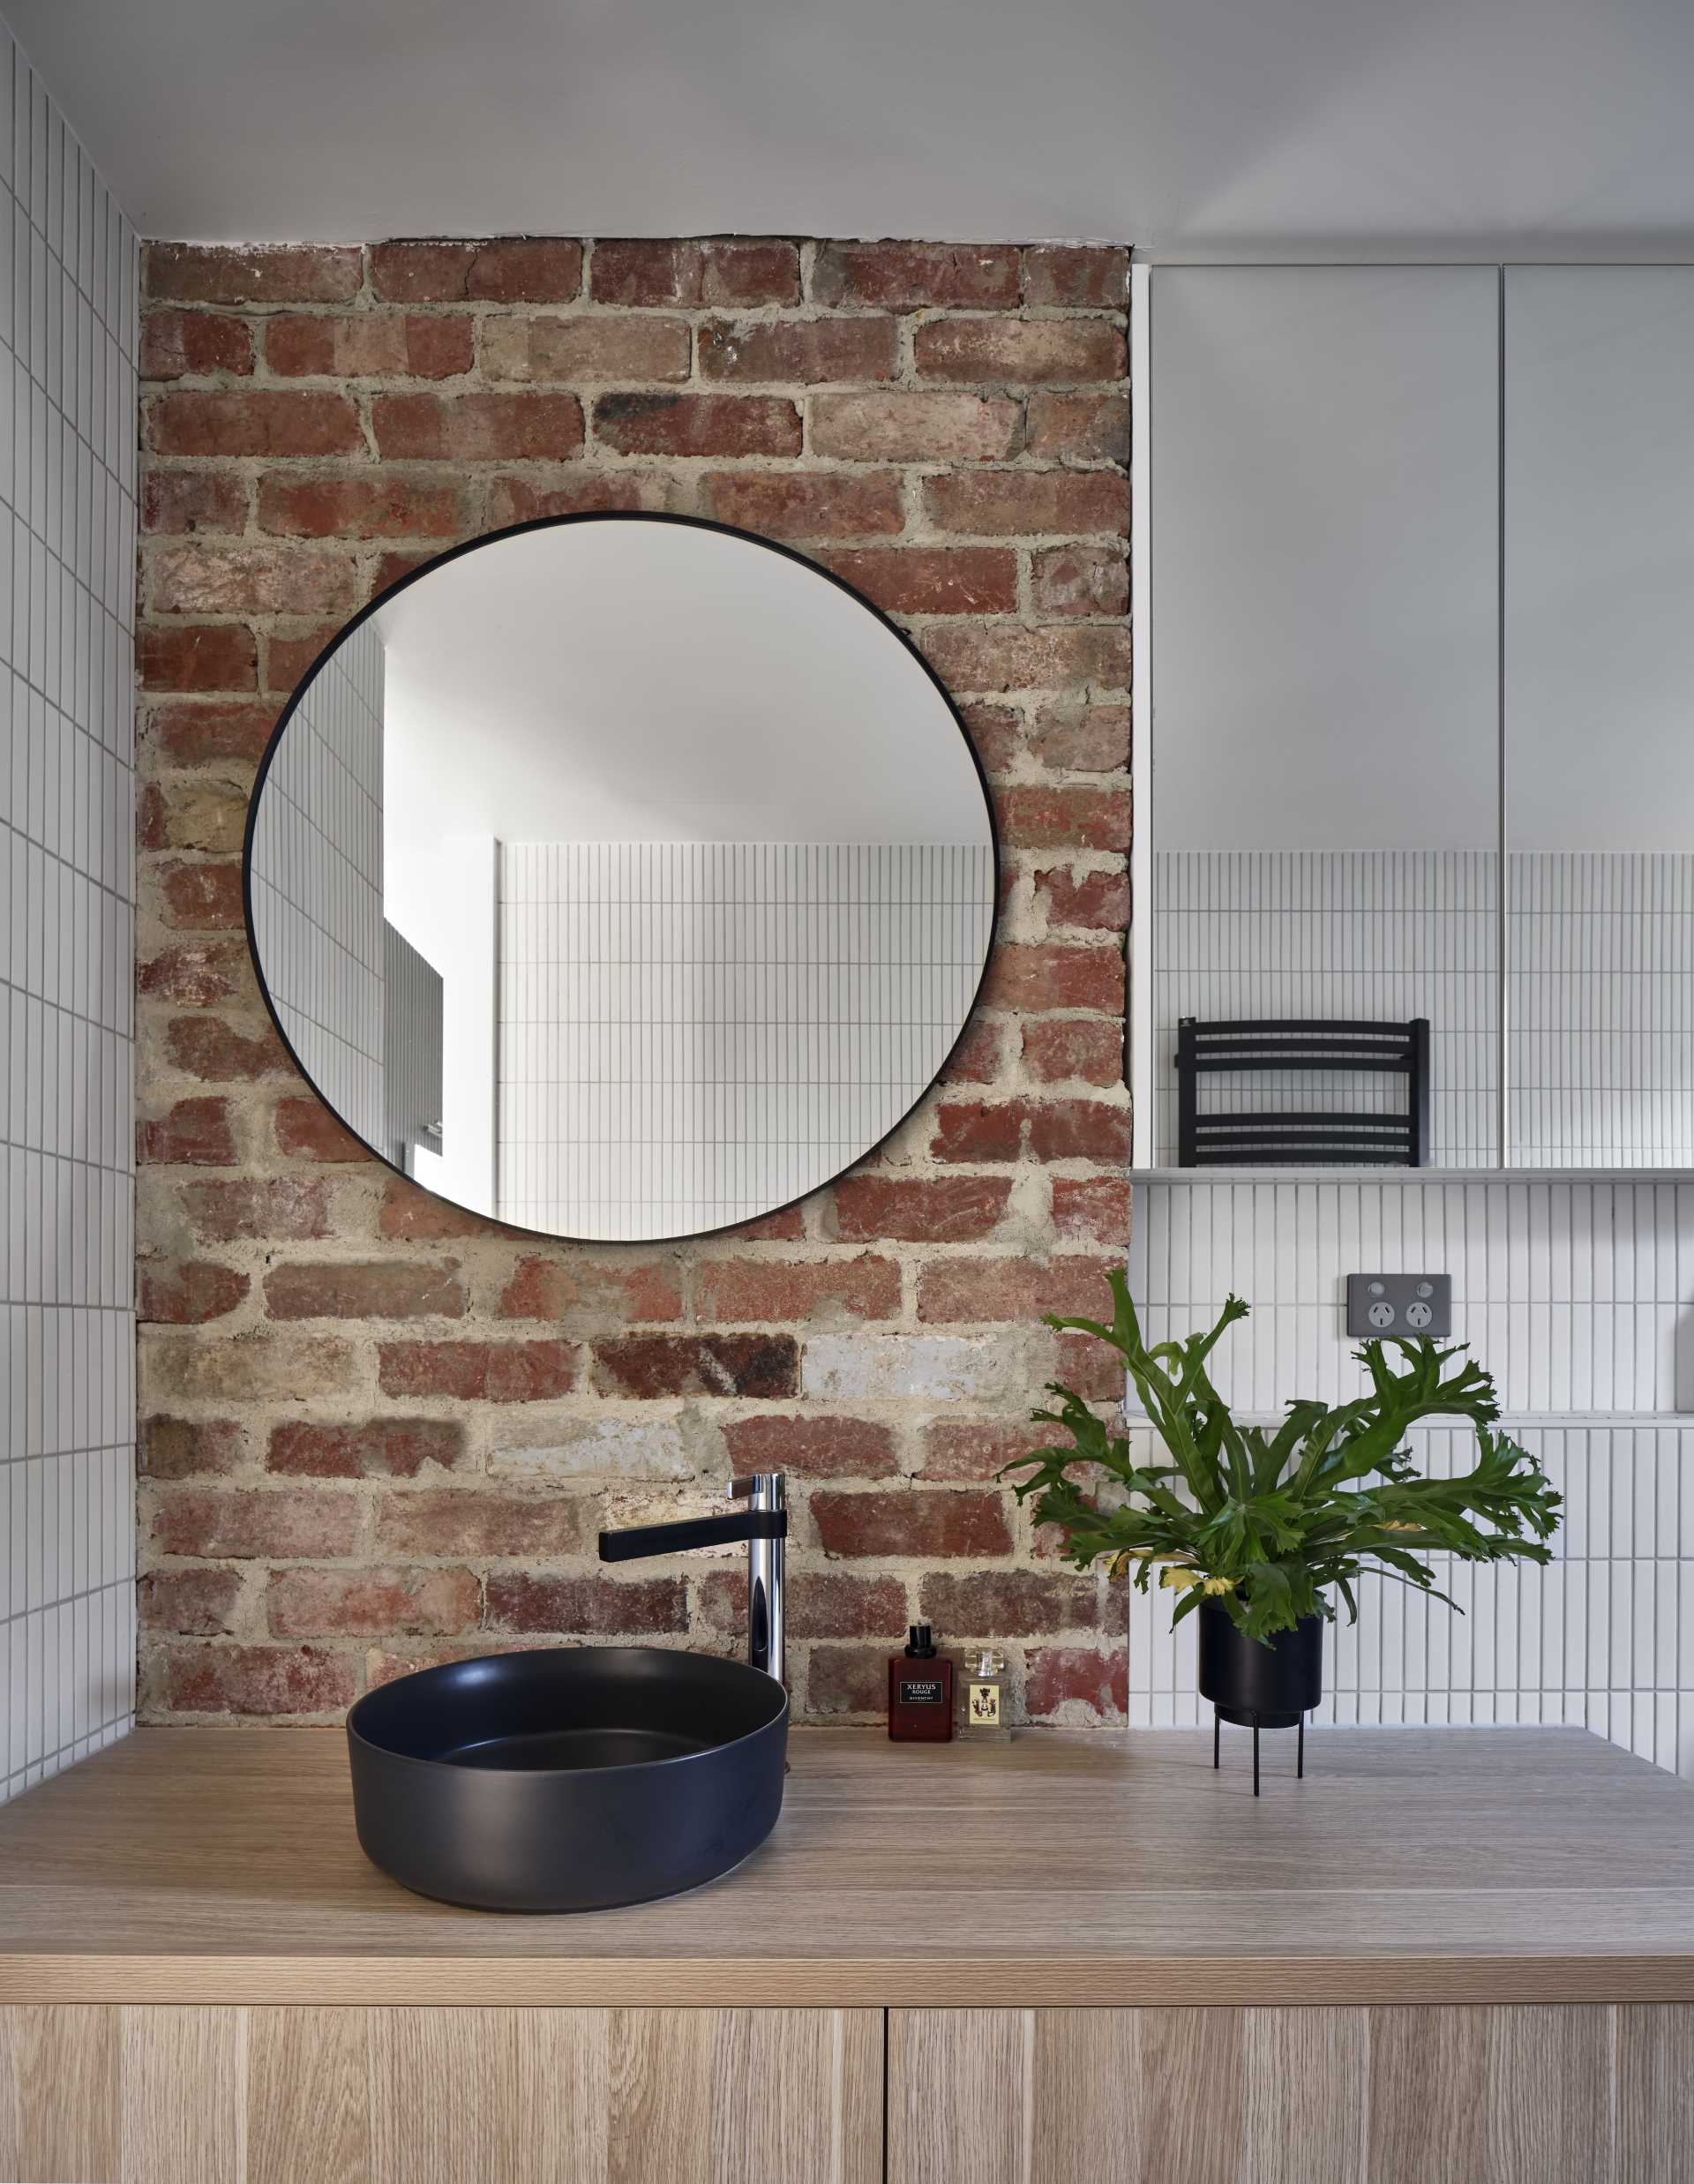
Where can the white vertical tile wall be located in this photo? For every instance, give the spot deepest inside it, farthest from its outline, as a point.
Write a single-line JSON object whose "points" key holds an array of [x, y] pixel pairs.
{"points": [[1578, 1296], [1377, 933], [68, 328], [316, 881], [691, 1033]]}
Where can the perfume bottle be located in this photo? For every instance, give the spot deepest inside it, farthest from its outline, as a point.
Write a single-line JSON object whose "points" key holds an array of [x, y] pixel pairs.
{"points": [[983, 1714], [920, 1691]]}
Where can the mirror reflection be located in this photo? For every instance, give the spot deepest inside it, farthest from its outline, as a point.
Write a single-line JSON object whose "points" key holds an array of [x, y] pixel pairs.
{"points": [[621, 878]]}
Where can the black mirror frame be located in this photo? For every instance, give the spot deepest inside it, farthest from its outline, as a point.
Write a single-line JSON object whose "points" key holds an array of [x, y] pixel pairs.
{"points": [[557, 522]]}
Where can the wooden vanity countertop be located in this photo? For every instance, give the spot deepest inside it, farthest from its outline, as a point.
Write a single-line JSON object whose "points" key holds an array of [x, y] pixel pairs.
{"points": [[1067, 1868]]}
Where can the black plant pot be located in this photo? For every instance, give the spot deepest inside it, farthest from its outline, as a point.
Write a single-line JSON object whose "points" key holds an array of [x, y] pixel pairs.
{"points": [[1261, 1685]]}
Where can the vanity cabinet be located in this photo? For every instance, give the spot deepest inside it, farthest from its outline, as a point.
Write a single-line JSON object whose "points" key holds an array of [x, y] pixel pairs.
{"points": [[92, 2094]]}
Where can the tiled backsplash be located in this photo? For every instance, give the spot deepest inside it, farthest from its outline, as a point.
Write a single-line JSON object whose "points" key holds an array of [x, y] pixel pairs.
{"points": [[67, 533], [1572, 1294]]}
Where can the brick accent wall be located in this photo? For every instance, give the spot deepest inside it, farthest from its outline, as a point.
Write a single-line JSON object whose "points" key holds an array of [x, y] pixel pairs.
{"points": [[378, 1431]]}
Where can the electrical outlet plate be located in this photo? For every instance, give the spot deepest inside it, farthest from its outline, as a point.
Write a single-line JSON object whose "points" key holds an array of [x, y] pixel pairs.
{"points": [[1403, 1306]]}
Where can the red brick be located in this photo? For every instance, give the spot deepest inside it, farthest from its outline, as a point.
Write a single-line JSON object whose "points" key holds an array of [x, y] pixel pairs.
{"points": [[190, 1133], [245, 1368], [276, 1208], [1026, 976], [1080, 580], [662, 1365], [978, 1057], [1021, 352], [1097, 901], [625, 1289], [396, 563], [730, 270], [909, 425], [522, 499], [1076, 738], [594, 347], [419, 1216], [847, 1680], [1077, 276], [195, 974], [246, 1523], [384, 1666], [289, 654], [197, 655], [372, 1289], [698, 425], [1008, 1603], [381, 506], [1068, 1683], [922, 1523], [976, 1449], [831, 504], [1078, 427], [933, 580], [381, 1448], [253, 272], [999, 656], [200, 733], [220, 1054], [460, 1520], [590, 1607], [256, 421], [979, 1129], [198, 503], [195, 1603], [477, 428], [811, 1447], [258, 1679], [191, 814], [511, 269], [943, 1208], [1079, 1129], [1060, 1047], [909, 276], [831, 1603], [368, 345], [1091, 1367], [1043, 817], [188, 1448], [222, 579], [193, 344], [1094, 1207], [787, 1225], [190, 1292], [1006, 504], [203, 898], [306, 1131], [952, 1290], [371, 1604], [799, 352], [781, 1290], [492, 1372]]}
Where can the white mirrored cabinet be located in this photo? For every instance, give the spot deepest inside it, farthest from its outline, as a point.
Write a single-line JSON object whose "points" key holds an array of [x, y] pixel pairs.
{"points": [[1415, 725]]}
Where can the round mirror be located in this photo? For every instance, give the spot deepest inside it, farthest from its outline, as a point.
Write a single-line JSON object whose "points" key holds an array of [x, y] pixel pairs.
{"points": [[620, 877]]}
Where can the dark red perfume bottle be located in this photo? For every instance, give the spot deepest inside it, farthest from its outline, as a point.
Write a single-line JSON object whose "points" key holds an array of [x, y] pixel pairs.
{"points": [[920, 1691]]}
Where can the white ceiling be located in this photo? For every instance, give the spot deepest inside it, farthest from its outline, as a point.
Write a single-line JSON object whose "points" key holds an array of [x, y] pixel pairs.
{"points": [[1470, 127]]}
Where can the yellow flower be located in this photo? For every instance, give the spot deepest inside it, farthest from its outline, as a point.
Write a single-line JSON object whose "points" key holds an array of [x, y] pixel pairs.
{"points": [[1181, 1579], [1396, 1524], [1220, 1585]]}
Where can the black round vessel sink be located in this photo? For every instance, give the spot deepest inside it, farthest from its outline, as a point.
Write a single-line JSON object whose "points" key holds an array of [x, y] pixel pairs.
{"points": [[570, 1779]]}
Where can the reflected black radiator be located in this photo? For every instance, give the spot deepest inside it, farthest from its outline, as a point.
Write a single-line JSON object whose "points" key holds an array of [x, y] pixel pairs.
{"points": [[1316, 1137]]}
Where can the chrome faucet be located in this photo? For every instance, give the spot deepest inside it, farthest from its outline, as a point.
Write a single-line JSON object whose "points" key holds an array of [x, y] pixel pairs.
{"points": [[764, 1525]]}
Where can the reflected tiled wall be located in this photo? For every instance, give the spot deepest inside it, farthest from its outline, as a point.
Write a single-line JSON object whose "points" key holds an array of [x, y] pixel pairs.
{"points": [[67, 552], [1575, 1295]]}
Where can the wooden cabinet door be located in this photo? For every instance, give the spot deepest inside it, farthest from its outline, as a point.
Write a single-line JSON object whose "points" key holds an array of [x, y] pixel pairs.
{"points": [[1560, 2095], [440, 2096]]}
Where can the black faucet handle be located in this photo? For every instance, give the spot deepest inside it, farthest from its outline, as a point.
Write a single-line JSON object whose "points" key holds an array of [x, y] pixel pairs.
{"points": [[639, 1543]]}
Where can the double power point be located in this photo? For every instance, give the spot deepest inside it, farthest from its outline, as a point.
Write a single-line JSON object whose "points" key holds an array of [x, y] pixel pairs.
{"points": [[1399, 1305]]}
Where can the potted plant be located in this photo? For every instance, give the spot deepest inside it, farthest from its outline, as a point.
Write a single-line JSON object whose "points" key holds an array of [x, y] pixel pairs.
{"points": [[1256, 1528]]}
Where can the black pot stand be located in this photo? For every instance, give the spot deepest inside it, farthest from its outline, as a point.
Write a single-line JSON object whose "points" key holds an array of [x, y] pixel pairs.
{"points": [[1257, 1686]]}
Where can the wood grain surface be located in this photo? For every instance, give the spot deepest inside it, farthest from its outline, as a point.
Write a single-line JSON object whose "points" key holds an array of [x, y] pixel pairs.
{"points": [[1065, 1868]]}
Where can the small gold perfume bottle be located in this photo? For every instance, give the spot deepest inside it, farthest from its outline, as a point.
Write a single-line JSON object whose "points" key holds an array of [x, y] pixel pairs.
{"points": [[983, 1714]]}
